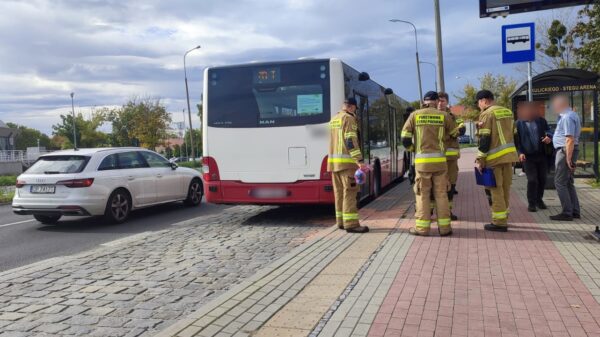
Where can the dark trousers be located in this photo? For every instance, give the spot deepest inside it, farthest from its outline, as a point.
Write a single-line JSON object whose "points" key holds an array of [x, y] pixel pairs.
{"points": [[564, 182], [536, 169]]}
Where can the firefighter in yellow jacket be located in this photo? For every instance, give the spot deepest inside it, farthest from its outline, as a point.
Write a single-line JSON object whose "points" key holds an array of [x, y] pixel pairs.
{"points": [[498, 152], [345, 157], [452, 149], [425, 132]]}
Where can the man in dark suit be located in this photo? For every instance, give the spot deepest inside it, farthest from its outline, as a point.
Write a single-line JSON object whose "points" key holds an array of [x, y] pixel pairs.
{"points": [[533, 135]]}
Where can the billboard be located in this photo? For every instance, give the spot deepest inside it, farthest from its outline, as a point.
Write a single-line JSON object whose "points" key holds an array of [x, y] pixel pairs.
{"points": [[495, 8]]}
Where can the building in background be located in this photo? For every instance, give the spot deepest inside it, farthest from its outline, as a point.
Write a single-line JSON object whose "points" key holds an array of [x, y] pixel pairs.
{"points": [[7, 137]]}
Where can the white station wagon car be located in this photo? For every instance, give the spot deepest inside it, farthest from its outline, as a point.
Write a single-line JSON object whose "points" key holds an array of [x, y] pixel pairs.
{"points": [[102, 181]]}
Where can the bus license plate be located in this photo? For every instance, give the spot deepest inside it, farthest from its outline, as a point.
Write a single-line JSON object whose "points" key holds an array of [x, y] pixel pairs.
{"points": [[43, 189], [269, 193]]}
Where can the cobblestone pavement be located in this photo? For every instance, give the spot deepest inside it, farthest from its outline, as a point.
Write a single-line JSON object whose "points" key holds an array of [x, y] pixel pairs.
{"points": [[143, 283]]}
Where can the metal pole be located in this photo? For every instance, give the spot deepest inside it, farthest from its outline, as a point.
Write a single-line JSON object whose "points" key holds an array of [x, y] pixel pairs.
{"points": [[595, 114], [529, 82], [187, 94], [183, 137], [419, 76], [416, 54], [438, 40], [435, 77], [74, 125]]}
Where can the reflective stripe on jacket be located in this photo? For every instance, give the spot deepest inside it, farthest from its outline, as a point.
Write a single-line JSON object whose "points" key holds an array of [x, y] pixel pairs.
{"points": [[428, 129], [344, 144], [496, 136], [452, 144]]}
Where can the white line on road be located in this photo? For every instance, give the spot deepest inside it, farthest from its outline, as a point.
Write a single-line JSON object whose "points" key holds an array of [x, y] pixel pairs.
{"points": [[16, 223]]}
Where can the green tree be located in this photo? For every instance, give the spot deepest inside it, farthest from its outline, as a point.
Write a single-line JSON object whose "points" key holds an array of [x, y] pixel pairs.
{"points": [[140, 121], [500, 85], [86, 130], [176, 150], [587, 30], [555, 46], [28, 137], [168, 152], [197, 141]]}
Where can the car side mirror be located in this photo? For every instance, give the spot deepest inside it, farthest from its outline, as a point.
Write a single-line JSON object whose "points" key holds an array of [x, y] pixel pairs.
{"points": [[174, 166]]}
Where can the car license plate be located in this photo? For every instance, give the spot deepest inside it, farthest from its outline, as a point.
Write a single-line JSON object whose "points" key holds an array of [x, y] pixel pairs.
{"points": [[269, 193], [43, 189]]}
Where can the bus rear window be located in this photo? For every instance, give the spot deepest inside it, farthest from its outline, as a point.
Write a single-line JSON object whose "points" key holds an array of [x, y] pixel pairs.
{"points": [[269, 96]]}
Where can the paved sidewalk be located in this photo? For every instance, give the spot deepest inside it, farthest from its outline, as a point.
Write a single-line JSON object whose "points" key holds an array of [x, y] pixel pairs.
{"points": [[539, 279]]}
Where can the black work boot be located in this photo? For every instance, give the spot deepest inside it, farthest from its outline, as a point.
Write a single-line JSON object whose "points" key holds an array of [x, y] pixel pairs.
{"points": [[453, 189], [561, 217], [358, 229], [531, 208], [493, 228], [541, 205], [453, 217]]}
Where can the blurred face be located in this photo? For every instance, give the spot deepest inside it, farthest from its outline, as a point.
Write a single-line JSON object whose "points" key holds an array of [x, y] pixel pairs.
{"points": [[443, 103], [559, 104]]}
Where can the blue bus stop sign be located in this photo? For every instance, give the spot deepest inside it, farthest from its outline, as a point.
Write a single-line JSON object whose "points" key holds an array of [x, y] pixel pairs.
{"points": [[518, 43]]}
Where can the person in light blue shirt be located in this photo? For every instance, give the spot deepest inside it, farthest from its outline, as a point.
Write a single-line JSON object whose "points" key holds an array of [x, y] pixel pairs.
{"points": [[566, 144]]}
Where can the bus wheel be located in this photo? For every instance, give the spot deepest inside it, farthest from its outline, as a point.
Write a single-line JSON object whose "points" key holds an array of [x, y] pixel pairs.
{"points": [[377, 181]]}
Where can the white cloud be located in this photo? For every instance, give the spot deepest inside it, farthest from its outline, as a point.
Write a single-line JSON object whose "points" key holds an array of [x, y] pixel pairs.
{"points": [[109, 50]]}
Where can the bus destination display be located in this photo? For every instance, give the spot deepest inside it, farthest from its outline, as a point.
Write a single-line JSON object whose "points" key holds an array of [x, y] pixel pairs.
{"points": [[267, 75]]}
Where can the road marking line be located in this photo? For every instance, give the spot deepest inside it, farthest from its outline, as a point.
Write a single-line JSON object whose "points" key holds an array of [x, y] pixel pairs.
{"points": [[16, 223]]}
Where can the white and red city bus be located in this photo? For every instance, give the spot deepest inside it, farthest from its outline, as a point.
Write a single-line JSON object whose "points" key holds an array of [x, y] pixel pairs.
{"points": [[266, 135]]}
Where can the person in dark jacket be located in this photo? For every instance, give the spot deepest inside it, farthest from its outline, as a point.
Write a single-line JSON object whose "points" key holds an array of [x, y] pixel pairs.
{"points": [[533, 134]]}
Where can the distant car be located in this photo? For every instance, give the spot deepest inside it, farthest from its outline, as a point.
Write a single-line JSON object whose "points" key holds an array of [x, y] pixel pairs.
{"points": [[105, 181], [465, 139]]}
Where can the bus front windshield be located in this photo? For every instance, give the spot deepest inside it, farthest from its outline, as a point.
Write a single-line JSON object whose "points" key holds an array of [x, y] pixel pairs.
{"points": [[286, 94]]}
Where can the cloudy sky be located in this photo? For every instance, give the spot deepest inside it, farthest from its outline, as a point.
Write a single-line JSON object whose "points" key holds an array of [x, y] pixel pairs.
{"points": [[109, 50]]}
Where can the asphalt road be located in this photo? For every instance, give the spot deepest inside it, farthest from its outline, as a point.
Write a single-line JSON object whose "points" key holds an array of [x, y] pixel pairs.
{"points": [[23, 240]]}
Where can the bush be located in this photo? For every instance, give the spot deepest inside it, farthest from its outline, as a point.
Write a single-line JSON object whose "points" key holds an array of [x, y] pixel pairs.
{"points": [[190, 164], [6, 196], [8, 180]]}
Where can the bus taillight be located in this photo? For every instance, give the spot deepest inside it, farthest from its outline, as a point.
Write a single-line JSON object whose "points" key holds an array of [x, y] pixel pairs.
{"points": [[324, 174], [210, 169]]}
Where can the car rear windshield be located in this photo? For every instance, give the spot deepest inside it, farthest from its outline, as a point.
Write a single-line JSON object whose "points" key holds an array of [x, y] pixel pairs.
{"points": [[58, 165], [278, 94]]}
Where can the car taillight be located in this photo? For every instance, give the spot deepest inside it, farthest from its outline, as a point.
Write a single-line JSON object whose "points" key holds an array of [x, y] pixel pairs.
{"points": [[20, 183], [76, 183], [210, 169], [324, 174]]}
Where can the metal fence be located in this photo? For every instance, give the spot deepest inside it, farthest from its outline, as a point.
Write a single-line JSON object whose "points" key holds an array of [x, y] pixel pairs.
{"points": [[12, 156]]}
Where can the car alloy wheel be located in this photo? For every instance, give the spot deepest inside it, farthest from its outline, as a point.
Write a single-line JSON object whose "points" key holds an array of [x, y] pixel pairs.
{"points": [[119, 207], [194, 193]]}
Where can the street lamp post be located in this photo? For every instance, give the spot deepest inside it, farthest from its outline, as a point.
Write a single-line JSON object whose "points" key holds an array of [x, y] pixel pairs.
{"points": [[74, 125], [187, 94], [438, 44], [416, 54], [436, 73], [186, 147]]}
